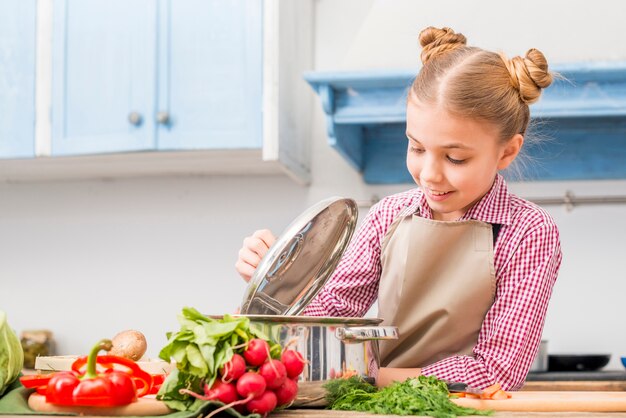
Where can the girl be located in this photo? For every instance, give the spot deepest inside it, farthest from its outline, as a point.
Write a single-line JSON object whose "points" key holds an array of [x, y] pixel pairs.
{"points": [[462, 267]]}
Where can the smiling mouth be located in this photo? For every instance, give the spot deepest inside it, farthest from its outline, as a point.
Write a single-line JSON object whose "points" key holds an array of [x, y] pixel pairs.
{"points": [[436, 193]]}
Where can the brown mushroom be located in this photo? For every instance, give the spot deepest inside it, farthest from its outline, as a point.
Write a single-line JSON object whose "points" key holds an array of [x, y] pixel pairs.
{"points": [[130, 344]]}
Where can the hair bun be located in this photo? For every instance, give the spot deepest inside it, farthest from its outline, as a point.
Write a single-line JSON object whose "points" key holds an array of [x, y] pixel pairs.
{"points": [[435, 42], [529, 74]]}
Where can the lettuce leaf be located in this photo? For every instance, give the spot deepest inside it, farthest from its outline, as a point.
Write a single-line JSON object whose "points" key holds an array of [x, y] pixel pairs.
{"points": [[11, 354]]}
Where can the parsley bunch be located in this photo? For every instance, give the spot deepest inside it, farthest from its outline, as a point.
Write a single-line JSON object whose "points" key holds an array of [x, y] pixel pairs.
{"points": [[423, 395]]}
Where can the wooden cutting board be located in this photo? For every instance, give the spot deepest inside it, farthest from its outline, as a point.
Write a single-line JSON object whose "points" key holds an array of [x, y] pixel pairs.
{"points": [[144, 406], [57, 363], [552, 402]]}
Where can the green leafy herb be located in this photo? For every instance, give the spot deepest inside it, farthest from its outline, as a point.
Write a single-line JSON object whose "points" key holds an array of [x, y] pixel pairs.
{"points": [[200, 348], [354, 386], [423, 395], [169, 391]]}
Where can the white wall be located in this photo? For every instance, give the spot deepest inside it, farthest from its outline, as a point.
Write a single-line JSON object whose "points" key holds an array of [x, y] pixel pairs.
{"points": [[90, 258]]}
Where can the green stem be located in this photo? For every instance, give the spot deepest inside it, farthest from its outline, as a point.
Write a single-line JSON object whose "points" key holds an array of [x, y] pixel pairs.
{"points": [[242, 334], [105, 345]]}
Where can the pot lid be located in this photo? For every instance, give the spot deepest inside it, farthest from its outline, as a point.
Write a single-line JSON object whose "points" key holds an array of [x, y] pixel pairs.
{"points": [[301, 260]]}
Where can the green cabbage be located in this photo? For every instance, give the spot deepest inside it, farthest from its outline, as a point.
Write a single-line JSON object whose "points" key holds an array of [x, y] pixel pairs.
{"points": [[11, 354]]}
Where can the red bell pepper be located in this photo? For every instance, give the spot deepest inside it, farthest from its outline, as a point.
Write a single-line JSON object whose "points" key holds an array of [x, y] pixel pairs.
{"points": [[36, 381], [157, 381], [143, 380], [110, 388]]}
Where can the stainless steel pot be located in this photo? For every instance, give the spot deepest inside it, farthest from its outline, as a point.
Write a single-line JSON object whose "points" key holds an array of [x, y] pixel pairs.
{"points": [[332, 347]]}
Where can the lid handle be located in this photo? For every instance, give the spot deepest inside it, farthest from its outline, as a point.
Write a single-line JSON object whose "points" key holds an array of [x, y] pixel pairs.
{"points": [[287, 257], [358, 334]]}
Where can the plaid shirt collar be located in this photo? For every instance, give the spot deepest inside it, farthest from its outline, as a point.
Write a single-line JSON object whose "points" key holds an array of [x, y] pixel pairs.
{"points": [[493, 208]]}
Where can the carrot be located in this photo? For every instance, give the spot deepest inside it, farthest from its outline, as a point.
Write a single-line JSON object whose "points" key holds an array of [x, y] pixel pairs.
{"points": [[493, 392], [500, 395], [490, 390]]}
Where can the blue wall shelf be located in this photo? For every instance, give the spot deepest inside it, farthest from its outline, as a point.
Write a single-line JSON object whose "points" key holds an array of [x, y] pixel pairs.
{"points": [[581, 118]]}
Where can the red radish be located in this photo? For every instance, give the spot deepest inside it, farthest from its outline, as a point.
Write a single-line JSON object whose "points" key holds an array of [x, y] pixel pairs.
{"points": [[257, 352], [262, 404], [294, 363], [233, 369], [223, 392], [274, 373], [250, 385], [219, 391], [287, 392]]}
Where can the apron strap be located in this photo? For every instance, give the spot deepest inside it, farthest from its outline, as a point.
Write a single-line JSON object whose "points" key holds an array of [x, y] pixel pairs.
{"points": [[411, 209]]}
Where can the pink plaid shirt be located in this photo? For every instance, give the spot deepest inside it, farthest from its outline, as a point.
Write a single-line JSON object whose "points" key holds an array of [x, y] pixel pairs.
{"points": [[527, 259]]}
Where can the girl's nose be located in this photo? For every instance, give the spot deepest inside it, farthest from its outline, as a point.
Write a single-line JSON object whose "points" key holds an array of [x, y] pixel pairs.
{"points": [[431, 172]]}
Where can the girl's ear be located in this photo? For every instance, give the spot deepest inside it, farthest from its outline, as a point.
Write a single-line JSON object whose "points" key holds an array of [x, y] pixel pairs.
{"points": [[510, 151]]}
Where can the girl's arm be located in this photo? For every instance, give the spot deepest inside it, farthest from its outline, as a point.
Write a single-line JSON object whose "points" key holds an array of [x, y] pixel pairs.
{"points": [[353, 287], [511, 332], [387, 375]]}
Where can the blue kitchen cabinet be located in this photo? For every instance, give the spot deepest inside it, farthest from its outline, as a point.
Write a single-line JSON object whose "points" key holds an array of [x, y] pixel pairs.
{"points": [[103, 76], [152, 76], [17, 78], [210, 74]]}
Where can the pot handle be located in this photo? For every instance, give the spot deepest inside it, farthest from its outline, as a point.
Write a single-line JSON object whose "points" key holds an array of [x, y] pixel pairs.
{"points": [[358, 334]]}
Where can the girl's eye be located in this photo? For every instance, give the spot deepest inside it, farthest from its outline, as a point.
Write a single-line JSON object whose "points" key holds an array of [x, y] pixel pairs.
{"points": [[416, 150], [453, 161]]}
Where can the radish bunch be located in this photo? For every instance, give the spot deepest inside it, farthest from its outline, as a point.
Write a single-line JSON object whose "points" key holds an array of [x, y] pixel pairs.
{"points": [[253, 382]]}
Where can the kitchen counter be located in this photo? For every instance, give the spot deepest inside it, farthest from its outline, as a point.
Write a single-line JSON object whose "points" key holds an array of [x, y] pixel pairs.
{"points": [[317, 413], [521, 405], [313, 413], [613, 375], [321, 413], [565, 381]]}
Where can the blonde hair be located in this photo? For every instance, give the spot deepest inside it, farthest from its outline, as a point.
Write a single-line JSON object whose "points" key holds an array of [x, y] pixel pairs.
{"points": [[471, 82]]}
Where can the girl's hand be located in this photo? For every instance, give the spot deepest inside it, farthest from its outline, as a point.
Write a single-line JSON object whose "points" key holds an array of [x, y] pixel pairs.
{"points": [[388, 375], [253, 250]]}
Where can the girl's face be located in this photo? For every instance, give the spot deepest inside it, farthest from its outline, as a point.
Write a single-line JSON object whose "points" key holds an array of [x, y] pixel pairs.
{"points": [[453, 159]]}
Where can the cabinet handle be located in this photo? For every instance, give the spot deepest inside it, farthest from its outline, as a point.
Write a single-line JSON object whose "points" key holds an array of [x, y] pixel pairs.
{"points": [[163, 118], [134, 118]]}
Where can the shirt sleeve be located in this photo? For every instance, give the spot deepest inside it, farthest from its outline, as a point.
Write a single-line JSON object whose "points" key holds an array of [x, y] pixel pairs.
{"points": [[353, 287], [511, 332]]}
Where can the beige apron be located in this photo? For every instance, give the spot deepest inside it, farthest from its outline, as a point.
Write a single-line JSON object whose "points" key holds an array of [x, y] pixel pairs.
{"points": [[437, 283]]}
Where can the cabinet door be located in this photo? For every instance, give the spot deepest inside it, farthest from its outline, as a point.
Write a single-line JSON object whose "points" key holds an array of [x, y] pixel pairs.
{"points": [[210, 74], [17, 78], [104, 54]]}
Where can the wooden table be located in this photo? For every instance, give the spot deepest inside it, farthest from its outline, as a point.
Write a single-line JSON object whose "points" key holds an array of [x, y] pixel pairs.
{"points": [[320, 413], [612, 385], [576, 381], [563, 385]]}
